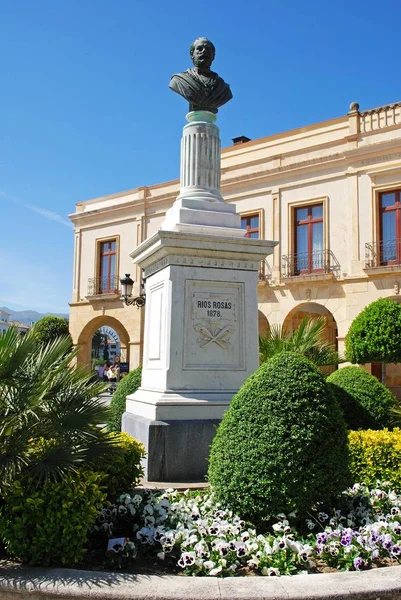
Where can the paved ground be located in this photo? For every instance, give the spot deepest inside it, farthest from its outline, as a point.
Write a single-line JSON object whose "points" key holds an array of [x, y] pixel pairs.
{"points": [[17, 582], [106, 398]]}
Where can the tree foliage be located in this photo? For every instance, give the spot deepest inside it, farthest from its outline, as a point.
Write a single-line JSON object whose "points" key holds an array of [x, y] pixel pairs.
{"points": [[50, 328], [50, 413], [308, 339], [97, 342], [375, 334], [365, 402], [282, 444]]}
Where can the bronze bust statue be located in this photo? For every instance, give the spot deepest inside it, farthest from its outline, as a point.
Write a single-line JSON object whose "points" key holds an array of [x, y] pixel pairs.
{"points": [[201, 87]]}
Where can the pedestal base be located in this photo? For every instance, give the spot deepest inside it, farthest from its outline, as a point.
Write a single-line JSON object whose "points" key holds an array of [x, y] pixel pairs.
{"points": [[177, 450]]}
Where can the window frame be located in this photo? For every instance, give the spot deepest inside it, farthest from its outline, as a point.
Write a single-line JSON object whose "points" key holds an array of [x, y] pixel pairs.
{"points": [[396, 208], [111, 289], [254, 213], [291, 227], [308, 222]]}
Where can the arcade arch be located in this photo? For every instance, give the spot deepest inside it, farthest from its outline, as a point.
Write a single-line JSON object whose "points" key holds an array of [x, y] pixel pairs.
{"points": [[84, 341], [263, 323], [314, 310]]}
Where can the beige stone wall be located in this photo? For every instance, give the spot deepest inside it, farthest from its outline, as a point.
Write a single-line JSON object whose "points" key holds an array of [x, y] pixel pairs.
{"points": [[336, 162]]}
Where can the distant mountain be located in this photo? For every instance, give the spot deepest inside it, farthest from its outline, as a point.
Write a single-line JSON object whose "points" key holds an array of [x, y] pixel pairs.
{"points": [[29, 316]]}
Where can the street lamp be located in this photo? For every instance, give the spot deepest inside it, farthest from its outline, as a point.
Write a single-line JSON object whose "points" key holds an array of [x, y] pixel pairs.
{"points": [[126, 292]]}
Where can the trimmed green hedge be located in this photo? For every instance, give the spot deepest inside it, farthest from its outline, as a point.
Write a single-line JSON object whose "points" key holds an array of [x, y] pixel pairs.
{"points": [[376, 456], [49, 524], [282, 444], [365, 402], [127, 385]]}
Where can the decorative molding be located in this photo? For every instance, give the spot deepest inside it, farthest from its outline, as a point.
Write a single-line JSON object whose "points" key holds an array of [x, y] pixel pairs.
{"points": [[377, 159], [200, 261]]}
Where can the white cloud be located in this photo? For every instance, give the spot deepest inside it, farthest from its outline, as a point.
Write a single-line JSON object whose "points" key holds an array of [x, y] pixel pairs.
{"points": [[47, 214]]}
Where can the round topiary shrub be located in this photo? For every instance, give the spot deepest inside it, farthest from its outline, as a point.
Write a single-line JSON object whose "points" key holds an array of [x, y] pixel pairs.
{"points": [[375, 334], [282, 444], [365, 402], [127, 385]]}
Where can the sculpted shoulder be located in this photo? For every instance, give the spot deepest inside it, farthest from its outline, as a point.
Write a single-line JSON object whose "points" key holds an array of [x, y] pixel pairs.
{"points": [[179, 80]]}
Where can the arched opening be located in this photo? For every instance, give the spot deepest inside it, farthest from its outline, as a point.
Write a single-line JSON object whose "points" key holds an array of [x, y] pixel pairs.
{"points": [[106, 345], [263, 323], [314, 310], [108, 325]]}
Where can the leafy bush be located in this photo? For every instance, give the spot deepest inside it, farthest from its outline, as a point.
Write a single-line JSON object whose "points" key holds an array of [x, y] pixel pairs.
{"points": [[376, 455], [122, 471], [282, 444], [375, 334], [50, 328], [49, 524], [128, 385], [365, 402]]}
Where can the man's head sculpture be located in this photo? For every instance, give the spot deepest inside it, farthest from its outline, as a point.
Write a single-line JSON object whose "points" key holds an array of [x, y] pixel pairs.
{"points": [[201, 87], [202, 52]]}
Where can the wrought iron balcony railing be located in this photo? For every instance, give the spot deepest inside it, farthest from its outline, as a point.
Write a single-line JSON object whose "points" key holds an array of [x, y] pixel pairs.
{"points": [[309, 263], [98, 286], [382, 254], [265, 271]]}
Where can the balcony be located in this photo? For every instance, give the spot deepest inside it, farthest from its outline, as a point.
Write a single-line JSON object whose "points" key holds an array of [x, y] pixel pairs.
{"points": [[321, 264], [265, 271], [104, 286], [384, 256]]}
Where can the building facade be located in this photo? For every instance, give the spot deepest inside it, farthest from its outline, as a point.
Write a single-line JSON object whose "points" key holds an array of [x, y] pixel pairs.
{"points": [[328, 193]]}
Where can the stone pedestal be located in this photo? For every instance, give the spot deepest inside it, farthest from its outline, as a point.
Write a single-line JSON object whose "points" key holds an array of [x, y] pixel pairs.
{"points": [[201, 325]]}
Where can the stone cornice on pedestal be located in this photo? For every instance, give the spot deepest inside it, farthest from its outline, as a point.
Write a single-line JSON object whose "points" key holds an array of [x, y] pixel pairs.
{"points": [[193, 249]]}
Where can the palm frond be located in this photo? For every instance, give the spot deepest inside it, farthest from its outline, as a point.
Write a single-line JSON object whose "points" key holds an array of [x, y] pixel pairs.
{"points": [[50, 411], [308, 339]]}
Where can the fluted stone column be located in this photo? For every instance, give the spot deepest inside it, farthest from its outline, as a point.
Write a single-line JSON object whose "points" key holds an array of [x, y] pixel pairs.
{"points": [[200, 207], [200, 158]]}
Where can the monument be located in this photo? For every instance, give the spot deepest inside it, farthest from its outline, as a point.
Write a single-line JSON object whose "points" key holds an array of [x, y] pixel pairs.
{"points": [[201, 325]]}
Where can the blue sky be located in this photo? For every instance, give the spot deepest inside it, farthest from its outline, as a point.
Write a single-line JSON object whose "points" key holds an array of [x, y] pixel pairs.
{"points": [[85, 108]]}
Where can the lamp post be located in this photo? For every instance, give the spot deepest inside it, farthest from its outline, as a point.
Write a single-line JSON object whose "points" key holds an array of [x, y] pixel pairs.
{"points": [[126, 292]]}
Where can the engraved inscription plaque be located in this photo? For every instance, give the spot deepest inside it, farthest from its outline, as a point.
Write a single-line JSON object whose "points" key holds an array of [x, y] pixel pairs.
{"points": [[214, 306], [213, 336]]}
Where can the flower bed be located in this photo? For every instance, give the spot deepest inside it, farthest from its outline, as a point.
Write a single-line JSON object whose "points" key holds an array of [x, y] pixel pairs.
{"points": [[193, 533]]}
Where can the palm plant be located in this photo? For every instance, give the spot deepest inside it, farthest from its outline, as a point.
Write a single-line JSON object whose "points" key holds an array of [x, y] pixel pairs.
{"points": [[308, 339], [50, 412]]}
